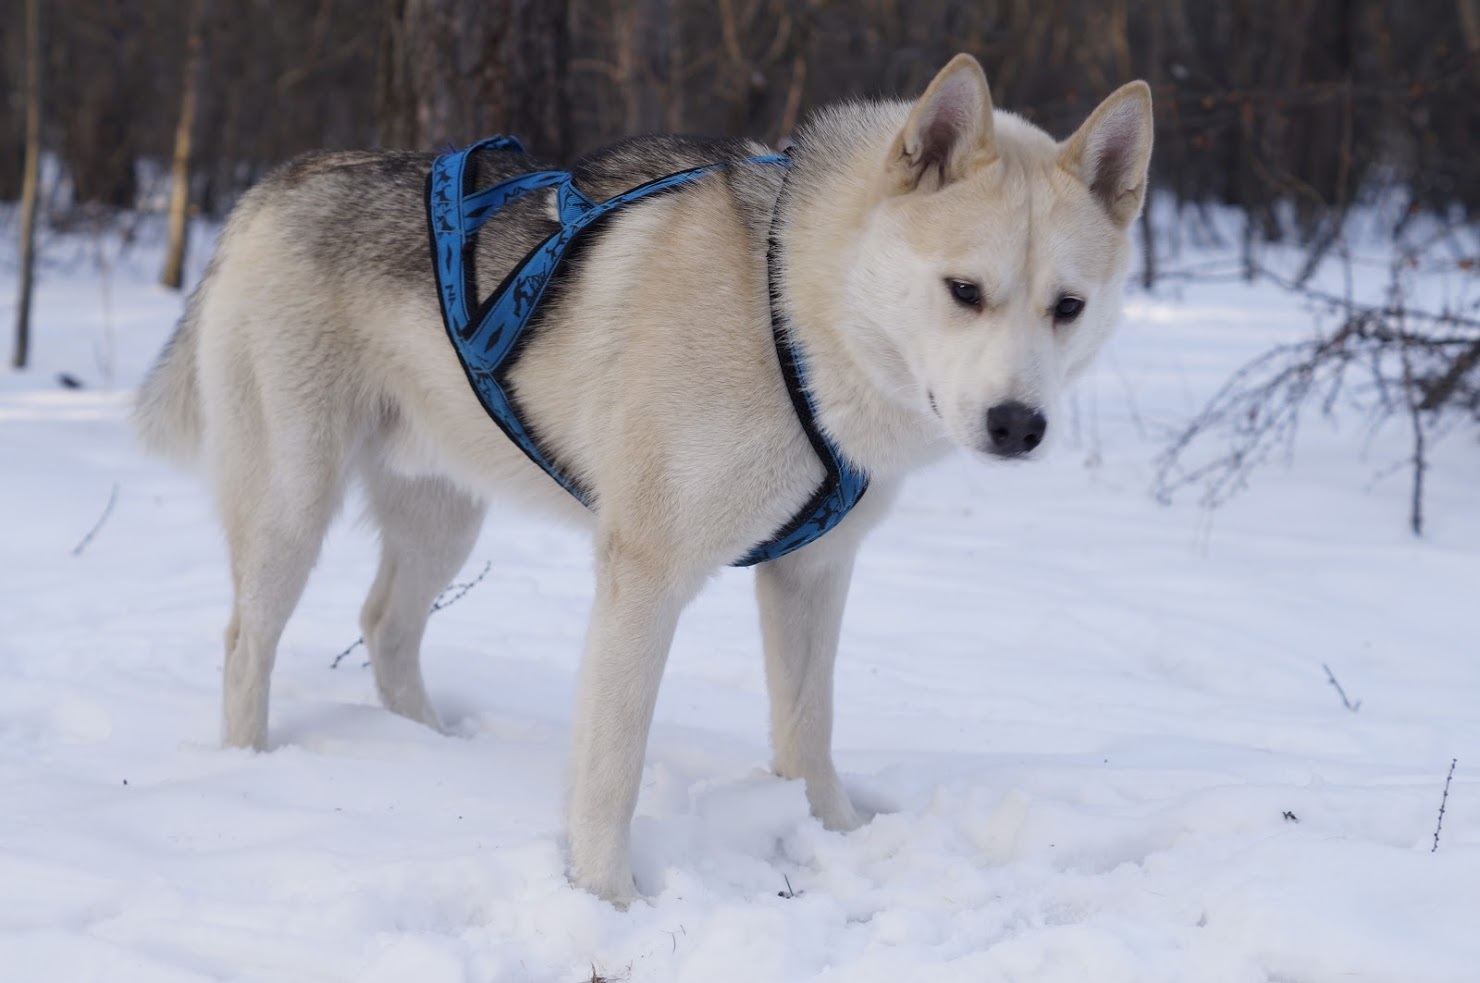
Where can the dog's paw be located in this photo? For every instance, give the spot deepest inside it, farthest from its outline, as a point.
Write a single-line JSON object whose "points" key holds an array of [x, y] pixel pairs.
{"points": [[618, 890], [842, 818], [433, 721], [414, 707], [834, 809], [600, 857]]}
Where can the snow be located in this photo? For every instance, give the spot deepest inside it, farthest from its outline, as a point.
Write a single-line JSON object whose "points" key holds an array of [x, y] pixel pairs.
{"points": [[1096, 729]]}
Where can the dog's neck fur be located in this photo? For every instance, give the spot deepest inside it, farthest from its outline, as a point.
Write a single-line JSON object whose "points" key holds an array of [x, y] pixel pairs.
{"points": [[869, 406]]}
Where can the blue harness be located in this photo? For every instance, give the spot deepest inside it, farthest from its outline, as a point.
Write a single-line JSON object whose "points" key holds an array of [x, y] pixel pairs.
{"points": [[486, 337]]}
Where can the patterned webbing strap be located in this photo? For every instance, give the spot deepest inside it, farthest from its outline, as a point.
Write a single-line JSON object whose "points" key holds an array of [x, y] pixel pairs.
{"points": [[486, 337]]}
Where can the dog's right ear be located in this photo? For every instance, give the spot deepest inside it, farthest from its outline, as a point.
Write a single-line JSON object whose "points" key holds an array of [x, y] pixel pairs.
{"points": [[949, 132]]}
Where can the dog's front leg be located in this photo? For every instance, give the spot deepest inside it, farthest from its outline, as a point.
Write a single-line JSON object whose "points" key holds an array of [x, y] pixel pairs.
{"points": [[801, 600], [639, 594]]}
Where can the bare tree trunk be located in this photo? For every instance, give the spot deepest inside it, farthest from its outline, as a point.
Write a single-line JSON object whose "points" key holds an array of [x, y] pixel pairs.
{"points": [[1246, 179], [12, 124], [395, 121], [98, 135], [1153, 76], [794, 90], [659, 30], [174, 262], [1468, 12], [30, 185], [673, 98], [454, 72], [527, 76], [442, 47]]}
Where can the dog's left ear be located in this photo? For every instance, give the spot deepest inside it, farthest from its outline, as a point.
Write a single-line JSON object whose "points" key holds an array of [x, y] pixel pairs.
{"points": [[949, 131], [1111, 152]]}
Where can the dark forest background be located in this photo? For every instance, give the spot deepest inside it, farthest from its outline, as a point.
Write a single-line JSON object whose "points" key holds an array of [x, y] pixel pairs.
{"points": [[1292, 112], [1289, 109]]}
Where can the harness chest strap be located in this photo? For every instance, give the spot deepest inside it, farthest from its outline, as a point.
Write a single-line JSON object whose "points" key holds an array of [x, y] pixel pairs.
{"points": [[486, 337]]}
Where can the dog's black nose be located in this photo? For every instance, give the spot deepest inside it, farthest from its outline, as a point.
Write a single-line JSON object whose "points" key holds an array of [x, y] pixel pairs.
{"points": [[1014, 429]]}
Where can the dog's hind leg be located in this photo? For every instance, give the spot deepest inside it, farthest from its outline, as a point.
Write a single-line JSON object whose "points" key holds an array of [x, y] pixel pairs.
{"points": [[275, 516], [801, 600], [427, 530]]}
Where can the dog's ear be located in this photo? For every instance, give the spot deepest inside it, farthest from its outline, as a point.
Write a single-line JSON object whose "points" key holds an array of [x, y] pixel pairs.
{"points": [[949, 132], [1111, 152]]}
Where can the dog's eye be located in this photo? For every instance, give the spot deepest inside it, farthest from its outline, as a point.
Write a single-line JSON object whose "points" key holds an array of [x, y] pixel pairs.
{"points": [[965, 292], [1067, 309]]}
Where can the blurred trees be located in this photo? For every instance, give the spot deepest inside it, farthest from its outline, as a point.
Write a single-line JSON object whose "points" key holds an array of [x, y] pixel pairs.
{"points": [[173, 274], [1291, 109], [30, 184]]}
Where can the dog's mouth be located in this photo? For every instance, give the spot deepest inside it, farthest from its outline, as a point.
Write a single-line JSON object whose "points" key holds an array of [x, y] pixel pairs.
{"points": [[934, 406]]}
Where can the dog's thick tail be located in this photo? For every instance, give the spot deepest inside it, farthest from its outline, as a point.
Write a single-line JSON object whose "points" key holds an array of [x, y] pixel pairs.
{"points": [[167, 410]]}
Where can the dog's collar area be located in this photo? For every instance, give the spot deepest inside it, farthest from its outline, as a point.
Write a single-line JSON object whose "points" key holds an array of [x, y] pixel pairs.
{"points": [[487, 336]]}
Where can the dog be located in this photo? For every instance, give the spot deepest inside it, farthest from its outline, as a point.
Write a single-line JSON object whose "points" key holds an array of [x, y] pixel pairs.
{"points": [[944, 268]]}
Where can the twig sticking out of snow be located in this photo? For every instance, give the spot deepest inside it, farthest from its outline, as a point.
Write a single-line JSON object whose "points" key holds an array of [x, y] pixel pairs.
{"points": [[453, 593], [107, 511], [1353, 707], [450, 595], [348, 649], [1442, 803]]}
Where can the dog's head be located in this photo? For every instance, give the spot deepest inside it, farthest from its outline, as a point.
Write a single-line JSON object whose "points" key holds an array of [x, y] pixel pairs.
{"points": [[993, 258]]}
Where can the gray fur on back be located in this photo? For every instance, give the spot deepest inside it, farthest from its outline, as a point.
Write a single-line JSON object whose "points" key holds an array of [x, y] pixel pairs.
{"points": [[363, 214]]}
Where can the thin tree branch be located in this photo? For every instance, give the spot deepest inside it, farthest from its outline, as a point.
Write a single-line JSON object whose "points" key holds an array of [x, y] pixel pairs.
{"points": [[1444, 801], [107, 511], [1353, 707]]}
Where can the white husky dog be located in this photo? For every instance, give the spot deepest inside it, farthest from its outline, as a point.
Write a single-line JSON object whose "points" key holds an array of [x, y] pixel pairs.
{"points": [[942, 268]]}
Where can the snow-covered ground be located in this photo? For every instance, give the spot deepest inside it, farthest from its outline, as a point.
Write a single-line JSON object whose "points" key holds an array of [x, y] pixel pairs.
{"points": [[1097, 728]]}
